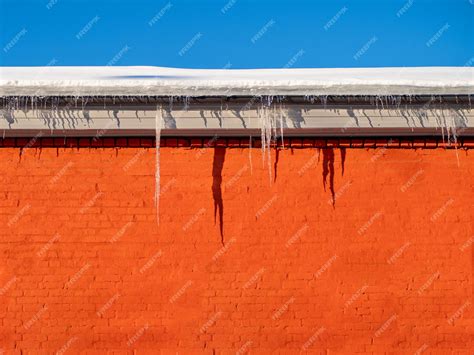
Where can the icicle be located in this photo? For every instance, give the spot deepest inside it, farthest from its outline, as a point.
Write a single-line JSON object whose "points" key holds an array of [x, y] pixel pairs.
{"points": [[324, 100], [268, 136], [266, 133], [250, 155], [451, 129], [158, 125], [186, 100], [262, 132], [281, 126]]}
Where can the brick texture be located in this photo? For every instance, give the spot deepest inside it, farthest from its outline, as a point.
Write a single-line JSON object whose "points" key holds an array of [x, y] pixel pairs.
{"points": [[346, 250]]}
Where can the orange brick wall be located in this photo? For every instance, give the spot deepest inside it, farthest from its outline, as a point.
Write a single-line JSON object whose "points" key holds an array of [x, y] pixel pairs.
{"points": [[387, 267]]}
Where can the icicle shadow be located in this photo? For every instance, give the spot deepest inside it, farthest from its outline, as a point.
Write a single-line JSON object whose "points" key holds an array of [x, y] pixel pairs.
{"points": [[8, 116], [328, 169], [217, 165], [203, 116], [238, 114], [295, 115], [275, 165], [169, 120], [350, 112], [343, 159]]}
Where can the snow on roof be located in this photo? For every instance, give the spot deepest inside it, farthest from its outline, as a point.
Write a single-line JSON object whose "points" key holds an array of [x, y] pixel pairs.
{"points": [[116, 81]]}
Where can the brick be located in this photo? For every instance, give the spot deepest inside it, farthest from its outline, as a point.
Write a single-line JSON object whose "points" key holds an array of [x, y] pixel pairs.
{"points": [[344, 142], [382, 142], [406, 143], [121, 142], [393, 143], [84, 142], [146, 142], [320, 143], [59, 142], [419, 143], [370, 143], [169, 142], [308, 143], [468, 144], [183, 142], [134, 142], [233, 143], [288, 261], [296, 143], [109, 142], [196, 142]]}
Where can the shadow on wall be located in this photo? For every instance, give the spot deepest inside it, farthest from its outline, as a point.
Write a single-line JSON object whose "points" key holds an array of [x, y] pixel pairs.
{"points": [[217, 165], [328, 169]]}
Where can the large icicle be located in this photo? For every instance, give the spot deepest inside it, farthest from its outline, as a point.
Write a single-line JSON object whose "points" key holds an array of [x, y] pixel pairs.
{"points": [[269, 113], [250, 155], [281, 126], [266, 134], [451, 128], [158, 125]]}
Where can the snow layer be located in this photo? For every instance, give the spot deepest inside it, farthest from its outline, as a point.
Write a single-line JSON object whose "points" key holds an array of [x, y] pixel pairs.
{"points": [[116, 81]]}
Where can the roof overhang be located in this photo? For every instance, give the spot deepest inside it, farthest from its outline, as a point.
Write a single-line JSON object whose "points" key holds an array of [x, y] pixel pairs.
{"points": [[118, 101]]}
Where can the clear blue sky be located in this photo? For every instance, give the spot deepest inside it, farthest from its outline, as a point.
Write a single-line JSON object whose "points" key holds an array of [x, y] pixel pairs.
{"points": [[237, 33]]}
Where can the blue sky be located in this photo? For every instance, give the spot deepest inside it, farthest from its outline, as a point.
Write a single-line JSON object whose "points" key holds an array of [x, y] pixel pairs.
{"points": [[237, 33]]}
